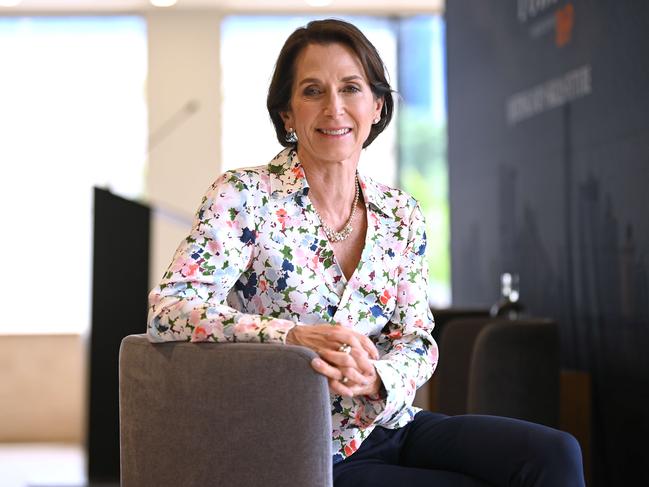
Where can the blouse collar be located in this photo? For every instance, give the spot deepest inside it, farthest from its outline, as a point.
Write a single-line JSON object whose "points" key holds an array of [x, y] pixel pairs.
{"points": [[287, 178]]}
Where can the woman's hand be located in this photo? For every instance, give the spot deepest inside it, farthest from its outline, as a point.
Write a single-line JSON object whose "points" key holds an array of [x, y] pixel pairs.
{"points": [[370, 384], [350, 373]]}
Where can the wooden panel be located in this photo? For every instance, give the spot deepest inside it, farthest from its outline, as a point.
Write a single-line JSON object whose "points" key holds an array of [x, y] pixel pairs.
{"points": [[43, 385], [575, 411]]}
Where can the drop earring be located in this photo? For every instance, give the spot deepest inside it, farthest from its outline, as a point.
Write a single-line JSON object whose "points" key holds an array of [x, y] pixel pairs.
{"points": [[291, 136]]}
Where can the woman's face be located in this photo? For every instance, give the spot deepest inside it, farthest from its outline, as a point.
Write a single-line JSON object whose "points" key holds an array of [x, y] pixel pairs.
{"points": [[332, 106]]}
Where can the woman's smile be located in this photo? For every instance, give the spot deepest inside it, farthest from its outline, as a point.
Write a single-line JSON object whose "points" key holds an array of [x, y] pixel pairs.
{"points": [[335, 132]]}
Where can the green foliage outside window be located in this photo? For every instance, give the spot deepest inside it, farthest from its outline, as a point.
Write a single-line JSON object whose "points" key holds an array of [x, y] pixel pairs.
{"points": [[423, 172]]}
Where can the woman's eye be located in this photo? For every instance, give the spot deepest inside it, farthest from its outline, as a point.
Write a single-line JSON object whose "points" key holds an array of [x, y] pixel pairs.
{"points": [[352, 89], [311, 91]]}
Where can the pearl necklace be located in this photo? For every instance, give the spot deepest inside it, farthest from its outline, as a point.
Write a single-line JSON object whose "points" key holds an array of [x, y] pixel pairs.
{"points": [[347, 230]]}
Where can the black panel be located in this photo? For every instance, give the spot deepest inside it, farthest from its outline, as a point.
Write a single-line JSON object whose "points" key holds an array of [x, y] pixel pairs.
{"points": [[557, 190], [119, 308]]}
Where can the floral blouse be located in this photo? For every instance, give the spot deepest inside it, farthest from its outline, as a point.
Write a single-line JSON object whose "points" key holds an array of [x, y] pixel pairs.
{"points": [[257, 263]]}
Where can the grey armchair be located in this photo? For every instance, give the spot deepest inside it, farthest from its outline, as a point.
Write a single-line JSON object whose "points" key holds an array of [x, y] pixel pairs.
{"points": [[500, 367], [515, 371], [222, 415]]}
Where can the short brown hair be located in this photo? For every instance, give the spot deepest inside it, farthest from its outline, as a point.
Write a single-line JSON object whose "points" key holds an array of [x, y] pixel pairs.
{"points": [[327, 31]]}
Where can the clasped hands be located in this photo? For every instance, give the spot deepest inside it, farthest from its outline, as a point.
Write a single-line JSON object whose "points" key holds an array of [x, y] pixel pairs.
{"points": [[349, 370]]}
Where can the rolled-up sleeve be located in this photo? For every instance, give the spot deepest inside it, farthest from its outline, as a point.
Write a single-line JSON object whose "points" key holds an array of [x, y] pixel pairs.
{"points": [[190, 303]]}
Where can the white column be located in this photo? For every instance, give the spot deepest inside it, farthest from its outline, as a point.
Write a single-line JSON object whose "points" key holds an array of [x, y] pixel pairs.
{"points": [[184, 158]]}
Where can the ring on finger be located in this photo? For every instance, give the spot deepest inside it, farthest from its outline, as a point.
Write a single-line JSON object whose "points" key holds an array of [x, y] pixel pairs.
{"points": [[344, 380], [345, 348]]}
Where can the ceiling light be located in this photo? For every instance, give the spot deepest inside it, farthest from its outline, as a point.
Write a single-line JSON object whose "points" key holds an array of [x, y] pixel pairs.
{"points": [[163, 3], [9, 3], [319, 3]]}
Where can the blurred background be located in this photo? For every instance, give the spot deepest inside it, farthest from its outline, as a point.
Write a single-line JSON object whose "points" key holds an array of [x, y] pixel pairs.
{"points": [[541, 170]]}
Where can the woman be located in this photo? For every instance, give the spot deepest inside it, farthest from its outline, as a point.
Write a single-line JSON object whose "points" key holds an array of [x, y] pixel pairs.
{"points": [[306, 251]]}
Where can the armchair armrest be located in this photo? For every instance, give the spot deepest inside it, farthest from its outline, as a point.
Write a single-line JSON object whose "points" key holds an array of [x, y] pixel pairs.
{"points": [[222, 414]]}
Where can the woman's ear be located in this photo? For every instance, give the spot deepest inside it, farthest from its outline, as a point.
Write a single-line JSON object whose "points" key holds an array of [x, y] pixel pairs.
{"points": [[287, 117], [378, 106]]}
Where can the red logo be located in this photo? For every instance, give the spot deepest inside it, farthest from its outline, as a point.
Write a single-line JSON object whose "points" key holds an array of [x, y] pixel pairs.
{"points": [[565, 19]]}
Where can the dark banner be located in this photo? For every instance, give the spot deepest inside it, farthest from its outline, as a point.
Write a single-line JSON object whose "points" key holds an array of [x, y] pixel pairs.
{"points": [[548, 105]]}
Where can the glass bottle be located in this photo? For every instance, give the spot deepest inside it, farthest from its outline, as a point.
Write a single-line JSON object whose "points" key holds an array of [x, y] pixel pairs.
{"points": [[509, 305]]}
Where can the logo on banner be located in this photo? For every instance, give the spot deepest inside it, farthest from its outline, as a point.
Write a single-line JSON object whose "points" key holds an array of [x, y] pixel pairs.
{"points": [[545, 17]]}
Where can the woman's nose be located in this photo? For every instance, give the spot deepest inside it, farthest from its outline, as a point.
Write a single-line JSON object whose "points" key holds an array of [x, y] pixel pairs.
{"points": [[333, 104]]}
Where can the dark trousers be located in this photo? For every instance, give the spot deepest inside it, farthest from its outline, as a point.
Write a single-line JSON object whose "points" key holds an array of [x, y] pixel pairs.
{"points": [[435, 450]]}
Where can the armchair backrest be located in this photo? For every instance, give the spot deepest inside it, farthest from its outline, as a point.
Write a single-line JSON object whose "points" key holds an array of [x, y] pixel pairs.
{"points": [[500, 367], [515, 371]]}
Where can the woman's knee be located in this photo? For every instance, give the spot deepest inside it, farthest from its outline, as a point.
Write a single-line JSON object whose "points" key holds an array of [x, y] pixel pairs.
{"points": [[555, 460], [564, 448]]}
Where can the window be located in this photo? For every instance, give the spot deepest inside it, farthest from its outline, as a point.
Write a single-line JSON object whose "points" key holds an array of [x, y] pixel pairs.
{"points": [[423, 167], [72, 115]]}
